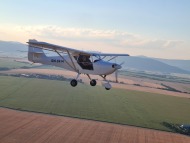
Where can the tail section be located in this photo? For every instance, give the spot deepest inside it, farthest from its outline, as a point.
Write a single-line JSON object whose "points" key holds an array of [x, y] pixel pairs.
{"points": [[35, 55]]}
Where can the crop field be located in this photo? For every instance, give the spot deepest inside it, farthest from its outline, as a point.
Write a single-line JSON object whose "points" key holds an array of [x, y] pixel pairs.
{"points": [[7, 63], [158, 77], [118, 106], [22, 127], [10, 63]]}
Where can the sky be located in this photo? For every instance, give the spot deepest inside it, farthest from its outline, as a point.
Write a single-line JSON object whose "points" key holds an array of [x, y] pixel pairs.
{"points": [[153, 28]]}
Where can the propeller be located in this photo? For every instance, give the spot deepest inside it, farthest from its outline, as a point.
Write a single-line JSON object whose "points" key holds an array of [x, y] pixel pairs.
{"points": [[116, 72]]}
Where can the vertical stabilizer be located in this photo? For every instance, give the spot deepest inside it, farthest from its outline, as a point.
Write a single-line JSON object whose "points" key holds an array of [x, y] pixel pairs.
{"points": [[35, 54]]}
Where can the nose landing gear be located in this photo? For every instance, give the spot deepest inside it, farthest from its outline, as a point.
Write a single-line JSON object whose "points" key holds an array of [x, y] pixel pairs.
{"points": [[107, 85]]}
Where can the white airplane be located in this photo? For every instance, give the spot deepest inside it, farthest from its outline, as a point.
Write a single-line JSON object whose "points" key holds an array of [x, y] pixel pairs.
{"points": [[81, 62]]}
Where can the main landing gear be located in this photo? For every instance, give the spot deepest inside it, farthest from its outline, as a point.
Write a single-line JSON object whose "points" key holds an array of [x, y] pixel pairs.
{"points": [[74, 82], [93, 82]]}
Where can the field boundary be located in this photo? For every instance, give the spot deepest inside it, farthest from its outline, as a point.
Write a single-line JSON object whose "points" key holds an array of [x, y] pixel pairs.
{"points": [[57, 115]]}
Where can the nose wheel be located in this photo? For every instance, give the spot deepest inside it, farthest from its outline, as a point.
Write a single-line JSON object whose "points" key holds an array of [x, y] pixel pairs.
{"points": [[107, 86]]}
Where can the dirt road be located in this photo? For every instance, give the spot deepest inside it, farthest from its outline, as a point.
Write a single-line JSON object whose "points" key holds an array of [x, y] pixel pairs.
{"points": [[22, 127]]}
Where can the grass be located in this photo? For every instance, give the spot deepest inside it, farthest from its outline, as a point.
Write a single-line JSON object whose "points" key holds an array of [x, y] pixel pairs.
{"points": [[187, 88], [8, 63], [119, 106]]}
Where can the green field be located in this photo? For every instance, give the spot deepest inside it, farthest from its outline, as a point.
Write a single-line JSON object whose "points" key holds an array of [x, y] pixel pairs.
{"points": [[11, 64], [119, 106], [159, 77]]}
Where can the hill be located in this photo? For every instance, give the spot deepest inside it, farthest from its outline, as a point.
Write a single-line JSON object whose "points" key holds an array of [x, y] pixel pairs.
{"points": [[183, 64], [13, 49], [149, 64], [9, 46]]}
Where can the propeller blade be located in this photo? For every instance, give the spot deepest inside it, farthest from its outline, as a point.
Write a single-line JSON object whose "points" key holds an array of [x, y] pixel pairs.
{"points": [[116, 76], [117, 66], [121, 63]]}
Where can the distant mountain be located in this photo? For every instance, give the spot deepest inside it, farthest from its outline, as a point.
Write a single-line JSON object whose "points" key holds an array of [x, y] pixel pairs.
{"points": [[139, 63], [183, 64], [9, 46], [149, 64], [13, 49]]}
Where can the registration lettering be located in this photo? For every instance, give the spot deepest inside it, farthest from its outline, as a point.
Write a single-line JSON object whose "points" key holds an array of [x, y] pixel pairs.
{"points": [[57, 61]]}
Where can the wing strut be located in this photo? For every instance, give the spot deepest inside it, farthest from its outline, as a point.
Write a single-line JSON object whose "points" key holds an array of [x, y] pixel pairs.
{"points": [[72, 61], [73, 67], [113, 58]]}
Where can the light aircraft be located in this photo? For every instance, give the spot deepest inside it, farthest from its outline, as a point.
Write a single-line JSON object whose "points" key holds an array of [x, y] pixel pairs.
{"points": [[81, 62]]}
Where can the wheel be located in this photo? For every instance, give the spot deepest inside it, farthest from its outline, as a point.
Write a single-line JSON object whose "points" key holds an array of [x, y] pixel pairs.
{"points": [[93, 82], [73, 82], [107, 88]]}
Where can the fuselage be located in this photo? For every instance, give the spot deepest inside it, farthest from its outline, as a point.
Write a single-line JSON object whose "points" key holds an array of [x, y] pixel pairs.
{"points": [[81, 62], [97, 67]]}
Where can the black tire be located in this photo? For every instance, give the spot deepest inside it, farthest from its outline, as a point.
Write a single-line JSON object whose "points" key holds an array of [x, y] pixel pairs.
{"points": [[107, 88], [93, 82], [73, 82]]}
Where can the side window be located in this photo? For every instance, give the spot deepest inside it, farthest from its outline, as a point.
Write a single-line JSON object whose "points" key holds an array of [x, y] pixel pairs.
{"points": [[36, 55], [85, 62], [96, 58], [76, 58], [84, 58]]}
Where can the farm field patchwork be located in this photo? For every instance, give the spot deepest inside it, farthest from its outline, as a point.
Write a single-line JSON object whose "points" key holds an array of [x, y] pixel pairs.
{"points": [[136, 108], [22, 127]]}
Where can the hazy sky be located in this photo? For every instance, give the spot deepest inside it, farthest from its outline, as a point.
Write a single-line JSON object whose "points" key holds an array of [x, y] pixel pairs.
{"points": [[154, 28]]}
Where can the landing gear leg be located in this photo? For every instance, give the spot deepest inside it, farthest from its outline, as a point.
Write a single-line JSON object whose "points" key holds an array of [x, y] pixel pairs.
{"points": [[74, 81], [106, 85], [92, 81]]}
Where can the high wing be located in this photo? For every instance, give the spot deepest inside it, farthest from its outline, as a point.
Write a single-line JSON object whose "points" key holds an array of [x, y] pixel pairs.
{"points": [[56, 48], [109, 54]]}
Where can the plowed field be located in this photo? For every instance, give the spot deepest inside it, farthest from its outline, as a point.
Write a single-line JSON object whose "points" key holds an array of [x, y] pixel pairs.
{"points": [[22, 127]]}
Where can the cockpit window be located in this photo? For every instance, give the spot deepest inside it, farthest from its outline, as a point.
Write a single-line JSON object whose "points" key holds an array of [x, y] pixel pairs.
{"points": [[96, 58], [76, 57], [85, 62]]}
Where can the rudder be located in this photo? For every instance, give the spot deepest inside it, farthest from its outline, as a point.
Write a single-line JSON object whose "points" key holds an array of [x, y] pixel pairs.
{"points": [[35, 54]]}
